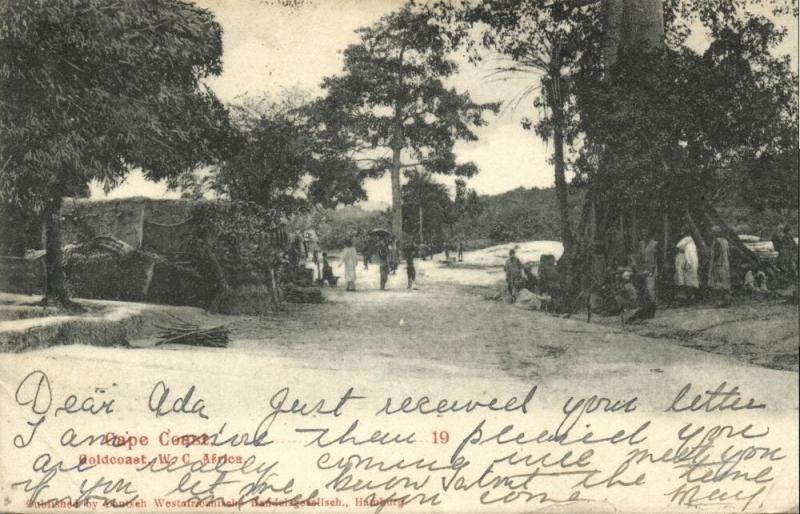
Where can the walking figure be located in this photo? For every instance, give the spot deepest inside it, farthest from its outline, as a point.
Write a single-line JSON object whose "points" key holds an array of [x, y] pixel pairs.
{"points": [[411, 272], [383, 263], [513, 269], [349, 261]]}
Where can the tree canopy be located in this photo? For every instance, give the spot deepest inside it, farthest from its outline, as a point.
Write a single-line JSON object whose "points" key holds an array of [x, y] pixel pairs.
{"points": [[91, 90], [675, 124], [544, 43], [659, 123], [281, 161], [392, 104]]}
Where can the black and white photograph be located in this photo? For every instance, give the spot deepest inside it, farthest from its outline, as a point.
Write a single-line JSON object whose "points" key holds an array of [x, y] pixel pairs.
{"points": [[401, 256]]}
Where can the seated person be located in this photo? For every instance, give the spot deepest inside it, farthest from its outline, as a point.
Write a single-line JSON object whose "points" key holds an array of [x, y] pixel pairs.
{"points": [[626, 297], [528, 280], [755, 280], [549, 277]]}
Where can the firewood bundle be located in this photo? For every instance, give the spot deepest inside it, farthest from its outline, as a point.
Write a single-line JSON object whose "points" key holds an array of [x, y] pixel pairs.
{"points": [[180, 332], [300, 294]]}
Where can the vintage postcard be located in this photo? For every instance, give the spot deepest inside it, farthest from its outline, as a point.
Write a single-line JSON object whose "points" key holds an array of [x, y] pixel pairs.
{"points": [[399, 256]]}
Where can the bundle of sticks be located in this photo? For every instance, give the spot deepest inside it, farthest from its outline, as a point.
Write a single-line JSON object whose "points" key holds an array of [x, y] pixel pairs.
{"points": [[300, 294], [180, 332]]}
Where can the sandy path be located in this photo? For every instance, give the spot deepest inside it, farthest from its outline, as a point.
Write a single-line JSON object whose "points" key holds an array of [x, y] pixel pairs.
{"points": [[446, 326], [441, 340]]}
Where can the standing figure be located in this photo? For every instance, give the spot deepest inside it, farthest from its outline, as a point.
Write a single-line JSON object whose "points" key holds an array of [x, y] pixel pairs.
{"points": [[349, 261], [409, 254], [447, 251], [366, 249], [383, 262], [306, 244], [327, 271], [686, 266], [784, 244], [461, 251], [394, 258], [513, 269], [295, 251], [648, 248], [719, 267]]}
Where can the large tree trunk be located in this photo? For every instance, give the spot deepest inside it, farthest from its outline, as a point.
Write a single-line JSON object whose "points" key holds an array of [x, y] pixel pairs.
{"points": [[421, 239], [561, 181], [55, 279], [556, 100], [397, 197], [629, 24]]}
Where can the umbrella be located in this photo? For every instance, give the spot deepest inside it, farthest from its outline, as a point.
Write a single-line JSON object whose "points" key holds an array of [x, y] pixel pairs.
{"points": [[380, 232]]}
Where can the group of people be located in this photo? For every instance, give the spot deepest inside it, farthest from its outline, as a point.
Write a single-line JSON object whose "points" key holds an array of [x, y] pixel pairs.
{"points": [[388, 262], [718, 272], [630, 289], [535, 291], [459, 248]]}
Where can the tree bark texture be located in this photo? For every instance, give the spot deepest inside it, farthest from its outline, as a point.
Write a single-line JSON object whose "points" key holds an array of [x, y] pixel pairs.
{"points": [[561, 181], [629, 24], [421, 238], [397, 199], [55, 278], [556, 100]]}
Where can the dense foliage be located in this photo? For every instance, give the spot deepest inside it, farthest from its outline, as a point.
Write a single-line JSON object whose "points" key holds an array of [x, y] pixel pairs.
{"points": [[428, 211], [92, 90], [281, 161], [391, 102], [677, 128], [544, 43], [653, 126]]}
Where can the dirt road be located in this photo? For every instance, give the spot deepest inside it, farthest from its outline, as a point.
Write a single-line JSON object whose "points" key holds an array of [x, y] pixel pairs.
{"points": [[446, 324], [442, 341]]}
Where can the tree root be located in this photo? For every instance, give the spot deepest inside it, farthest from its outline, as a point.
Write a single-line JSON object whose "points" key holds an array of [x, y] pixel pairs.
{"points": [[61, 303]]}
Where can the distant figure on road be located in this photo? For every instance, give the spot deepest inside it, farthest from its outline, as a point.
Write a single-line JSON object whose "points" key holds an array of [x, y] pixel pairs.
{"points": [[311, 243], [719, 268], [394, 258], [513, 269], [447, 251], [460, 251], [686, 266], [783, 243], [383, 262], [648, 247], [349, 261], [409, 253]]}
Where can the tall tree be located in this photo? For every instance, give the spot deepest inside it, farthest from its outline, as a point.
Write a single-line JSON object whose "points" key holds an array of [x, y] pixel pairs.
{"points": [[547, 43], [91, 90], [392, 103], [673, 129], [280, 160]]}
